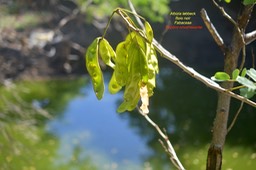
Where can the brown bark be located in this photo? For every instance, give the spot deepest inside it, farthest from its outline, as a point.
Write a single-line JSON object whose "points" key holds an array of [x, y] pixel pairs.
{"points": [[214, 159]]}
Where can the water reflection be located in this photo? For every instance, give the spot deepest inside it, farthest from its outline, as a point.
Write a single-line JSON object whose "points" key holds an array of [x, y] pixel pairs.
{"points": [[99, 131], [88, 134]]}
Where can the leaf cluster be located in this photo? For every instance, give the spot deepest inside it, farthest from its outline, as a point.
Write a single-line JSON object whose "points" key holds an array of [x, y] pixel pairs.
{"points": [[134, 63], [246, 79]]}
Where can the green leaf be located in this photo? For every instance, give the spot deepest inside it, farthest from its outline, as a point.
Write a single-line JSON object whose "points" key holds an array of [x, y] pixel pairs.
{"points": [[252, 73], [220, 76], [247, 92], [227, 1], [243, 72], [246, 82], [235, 73], [249, 2]]}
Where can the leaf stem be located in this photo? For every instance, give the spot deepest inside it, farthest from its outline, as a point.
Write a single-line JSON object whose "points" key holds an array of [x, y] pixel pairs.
{"points": [[106, 28], [236, 88]]}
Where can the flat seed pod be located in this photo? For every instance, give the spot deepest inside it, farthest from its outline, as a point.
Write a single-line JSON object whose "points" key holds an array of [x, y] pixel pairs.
{"points": [[106, 52], [121, 68], [131, 95], [149, 32], [92, 65], [113, 86], [137, 60]]}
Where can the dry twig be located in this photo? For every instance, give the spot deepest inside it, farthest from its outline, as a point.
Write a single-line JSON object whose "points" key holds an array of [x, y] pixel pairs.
{"points": [[167, 146], [225, 14]]}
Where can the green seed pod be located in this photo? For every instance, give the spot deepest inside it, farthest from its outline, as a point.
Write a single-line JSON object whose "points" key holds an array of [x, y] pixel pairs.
{"points": [[92, 65], [106, 52], [152, 68], [131, 95], [141, 68], [137, 60], [113, 86], [149, 32], [121, 68]]}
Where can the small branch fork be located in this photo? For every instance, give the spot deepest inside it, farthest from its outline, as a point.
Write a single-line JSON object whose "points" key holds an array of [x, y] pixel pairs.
{"points": [[246, 38], [167, 145]]}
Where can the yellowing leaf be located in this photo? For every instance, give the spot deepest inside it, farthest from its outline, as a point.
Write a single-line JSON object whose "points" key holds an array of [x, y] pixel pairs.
{"points": [[144, 100]]}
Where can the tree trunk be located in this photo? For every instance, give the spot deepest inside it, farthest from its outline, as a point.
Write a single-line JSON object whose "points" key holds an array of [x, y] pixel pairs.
{"points": [[214, 158]]}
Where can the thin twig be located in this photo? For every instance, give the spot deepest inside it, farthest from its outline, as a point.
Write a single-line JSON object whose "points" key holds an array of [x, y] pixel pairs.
{"points": [[136, 16], [68, 18], [205, 80], [166, 29], [253, 58], [236, 116], [243, 58], [217, 38], [225, 14], [168, 146]]}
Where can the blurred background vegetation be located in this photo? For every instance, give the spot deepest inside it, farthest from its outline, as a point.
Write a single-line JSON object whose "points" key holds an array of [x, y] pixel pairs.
{"points": [[94, 9]]}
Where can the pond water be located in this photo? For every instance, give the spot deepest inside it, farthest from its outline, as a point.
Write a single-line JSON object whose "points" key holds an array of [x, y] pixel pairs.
{"points": [[96, 128], [85, 133]]}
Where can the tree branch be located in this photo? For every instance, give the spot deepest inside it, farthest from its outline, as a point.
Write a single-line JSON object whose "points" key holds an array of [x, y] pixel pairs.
{"points": [[250, 37], [224, 13], [168, 147], [229, 18], [136, 15], [217, 38], [205, 80]]}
